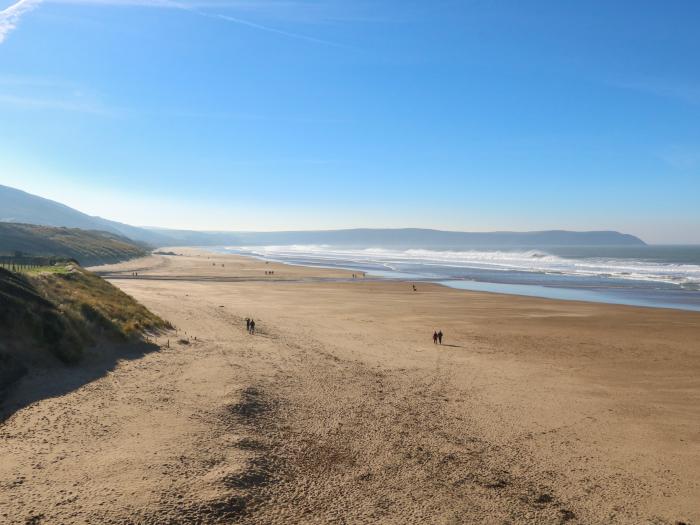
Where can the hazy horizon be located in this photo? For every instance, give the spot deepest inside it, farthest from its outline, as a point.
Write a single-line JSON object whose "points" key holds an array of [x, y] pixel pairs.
{"points": [[314, 227], [272, 116]]}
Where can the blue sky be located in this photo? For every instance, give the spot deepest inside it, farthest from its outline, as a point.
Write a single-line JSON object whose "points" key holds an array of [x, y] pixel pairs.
{"points": [[263, 115]]}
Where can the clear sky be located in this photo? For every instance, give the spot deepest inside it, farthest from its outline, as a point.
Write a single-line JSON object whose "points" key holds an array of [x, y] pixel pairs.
{"points": [[263, 115]]}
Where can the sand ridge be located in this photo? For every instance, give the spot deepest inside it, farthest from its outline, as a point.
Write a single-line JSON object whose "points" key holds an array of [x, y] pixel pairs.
{"points": [[342, 410]]}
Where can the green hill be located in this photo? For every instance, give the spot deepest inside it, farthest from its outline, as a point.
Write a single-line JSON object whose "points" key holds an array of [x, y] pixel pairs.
{"points": [[88, 247], [21, 207], [47, 317]]}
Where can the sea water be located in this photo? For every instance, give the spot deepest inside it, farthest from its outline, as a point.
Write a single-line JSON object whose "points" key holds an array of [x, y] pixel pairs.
{"points": [[661, 276]]}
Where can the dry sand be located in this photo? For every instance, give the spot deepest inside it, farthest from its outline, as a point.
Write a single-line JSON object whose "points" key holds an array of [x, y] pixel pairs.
{"points": [[341, 409]]}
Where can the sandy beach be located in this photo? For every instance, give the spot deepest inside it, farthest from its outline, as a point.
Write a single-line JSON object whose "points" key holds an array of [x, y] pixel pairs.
{"points": [[342, 410]]}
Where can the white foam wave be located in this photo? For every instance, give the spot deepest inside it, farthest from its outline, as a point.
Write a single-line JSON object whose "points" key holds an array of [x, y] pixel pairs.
{"points": [[524, 261]]}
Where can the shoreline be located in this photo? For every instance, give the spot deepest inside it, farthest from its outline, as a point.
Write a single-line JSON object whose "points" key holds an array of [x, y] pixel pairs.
{"points": [[552, 293]]}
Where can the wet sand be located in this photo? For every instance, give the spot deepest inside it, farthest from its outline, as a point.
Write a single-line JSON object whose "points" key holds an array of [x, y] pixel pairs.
{"points": [[341, 409]]}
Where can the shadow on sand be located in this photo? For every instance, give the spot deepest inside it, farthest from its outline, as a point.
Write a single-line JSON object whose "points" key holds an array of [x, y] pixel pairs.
{"points": [[452, 346], [59, 379]]}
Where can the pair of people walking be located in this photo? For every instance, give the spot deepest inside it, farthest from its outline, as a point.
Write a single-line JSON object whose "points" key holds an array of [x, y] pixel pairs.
{"points": [[437, 337], [250, 325]]}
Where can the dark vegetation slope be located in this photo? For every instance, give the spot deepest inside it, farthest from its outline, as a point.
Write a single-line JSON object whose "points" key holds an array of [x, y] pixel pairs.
{"points": [[86, 247], [51, 317]]}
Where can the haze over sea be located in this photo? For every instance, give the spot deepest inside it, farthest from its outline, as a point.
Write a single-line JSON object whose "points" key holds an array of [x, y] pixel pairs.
{"points": [[660, 276]]}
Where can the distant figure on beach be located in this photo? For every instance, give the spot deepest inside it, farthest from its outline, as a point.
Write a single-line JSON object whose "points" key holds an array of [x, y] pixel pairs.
{"points": [[247, 323], [439, 336], [252, 327], [414, 288], [435, 337]]}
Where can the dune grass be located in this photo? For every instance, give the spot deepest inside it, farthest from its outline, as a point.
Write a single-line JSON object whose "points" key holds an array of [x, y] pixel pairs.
{"points": [[90, 298], [62, 310]]}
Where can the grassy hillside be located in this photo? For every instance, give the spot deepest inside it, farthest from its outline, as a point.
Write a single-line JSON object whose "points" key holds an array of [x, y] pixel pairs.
{"points": [[49, 316], [86, 246], [21, 207]]}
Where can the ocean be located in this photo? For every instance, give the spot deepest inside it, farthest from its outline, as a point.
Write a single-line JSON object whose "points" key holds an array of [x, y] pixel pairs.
{"points": [[658, 276]]}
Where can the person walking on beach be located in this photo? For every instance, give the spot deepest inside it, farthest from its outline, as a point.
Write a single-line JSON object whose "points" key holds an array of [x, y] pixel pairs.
{"points": [[247, 324], [252, 327], [435, 337], [439, 336]]}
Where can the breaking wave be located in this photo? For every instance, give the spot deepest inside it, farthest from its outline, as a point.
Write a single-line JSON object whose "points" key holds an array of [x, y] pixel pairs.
{"points": [[432, 263]]}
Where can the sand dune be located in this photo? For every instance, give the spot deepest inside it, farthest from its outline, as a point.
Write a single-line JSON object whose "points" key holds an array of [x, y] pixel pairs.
{"points": [[342, 410]]}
